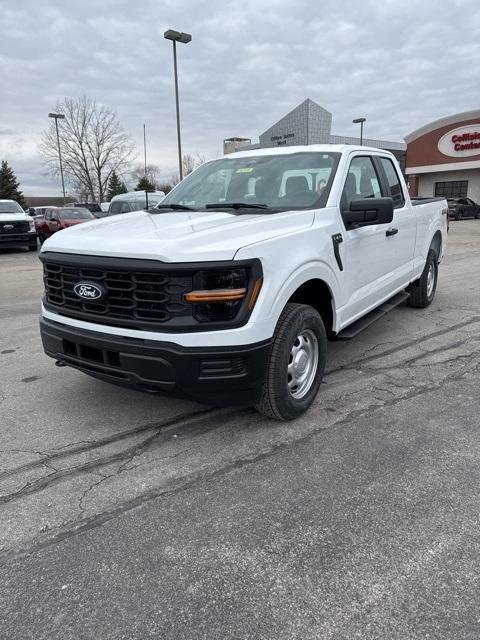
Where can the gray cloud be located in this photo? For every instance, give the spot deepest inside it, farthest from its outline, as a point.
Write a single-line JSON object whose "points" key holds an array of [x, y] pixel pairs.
{"points": [[399, 63]]}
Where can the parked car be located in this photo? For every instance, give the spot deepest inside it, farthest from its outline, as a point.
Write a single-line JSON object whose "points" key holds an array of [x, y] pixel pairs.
{"points": [[17, 229], [463, 208], [227, 291], [35, 212], [134, 201], [58, 218], [93, 207]]}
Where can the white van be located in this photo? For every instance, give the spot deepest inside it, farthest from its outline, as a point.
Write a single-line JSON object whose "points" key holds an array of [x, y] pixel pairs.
{"points": [[134, 201]]}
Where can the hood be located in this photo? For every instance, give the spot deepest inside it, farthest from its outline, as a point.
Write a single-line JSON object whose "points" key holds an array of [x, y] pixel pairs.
{"points": [[12, 217], [178, 236]]}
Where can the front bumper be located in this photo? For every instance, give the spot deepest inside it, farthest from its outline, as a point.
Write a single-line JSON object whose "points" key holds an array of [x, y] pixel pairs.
{"points": [[12, 240], [219, 376]]}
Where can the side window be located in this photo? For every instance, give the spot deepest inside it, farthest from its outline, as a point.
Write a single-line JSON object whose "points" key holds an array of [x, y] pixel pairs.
{"points": [[362, 181], [48, 214], [394, 184]]}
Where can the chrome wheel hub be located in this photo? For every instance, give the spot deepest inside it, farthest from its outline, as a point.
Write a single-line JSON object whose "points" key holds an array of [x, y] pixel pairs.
{"points": [[430, 279], [302, 364]]}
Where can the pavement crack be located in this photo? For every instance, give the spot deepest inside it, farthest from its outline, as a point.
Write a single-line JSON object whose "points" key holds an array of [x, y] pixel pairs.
{"points": [[183, 483], [89, 445], [188, 426]]}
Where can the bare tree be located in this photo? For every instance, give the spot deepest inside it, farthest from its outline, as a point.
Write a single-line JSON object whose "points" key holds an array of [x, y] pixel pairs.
{"points": [[189, 164], [93, 145], [152, 173]]}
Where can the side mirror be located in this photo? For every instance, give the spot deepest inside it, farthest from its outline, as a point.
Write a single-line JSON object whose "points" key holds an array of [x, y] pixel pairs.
{"points": [[31, 211], [368, 211]]}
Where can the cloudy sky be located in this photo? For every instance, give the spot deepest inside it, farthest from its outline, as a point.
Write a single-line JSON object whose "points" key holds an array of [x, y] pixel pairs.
{"points": [[400, 63]]}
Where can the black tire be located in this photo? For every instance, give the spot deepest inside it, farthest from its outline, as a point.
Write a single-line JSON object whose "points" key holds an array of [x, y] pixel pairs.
{"points": [[32, 247], [459, 215], [421, 294], [277, 399]]}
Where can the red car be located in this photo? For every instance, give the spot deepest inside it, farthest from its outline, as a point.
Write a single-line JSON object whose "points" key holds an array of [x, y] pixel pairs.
{"points": [[57, 218]]}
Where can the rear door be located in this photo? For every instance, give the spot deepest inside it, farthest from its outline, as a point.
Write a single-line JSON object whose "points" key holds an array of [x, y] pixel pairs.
{"points": [[404, 224]]}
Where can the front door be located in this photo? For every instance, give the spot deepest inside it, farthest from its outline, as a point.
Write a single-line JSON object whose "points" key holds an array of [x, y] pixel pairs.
{"points": [[376, 255]]}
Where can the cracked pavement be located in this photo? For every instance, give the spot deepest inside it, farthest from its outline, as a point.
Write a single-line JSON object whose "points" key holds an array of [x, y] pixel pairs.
{"points": [[360, 519]]}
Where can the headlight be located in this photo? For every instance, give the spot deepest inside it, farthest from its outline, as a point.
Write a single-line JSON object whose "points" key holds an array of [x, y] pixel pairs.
{"points": [[219, 296], [32, 225]]}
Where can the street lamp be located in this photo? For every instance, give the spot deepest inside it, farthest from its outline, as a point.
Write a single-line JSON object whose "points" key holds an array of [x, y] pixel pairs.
{"points": [[57, 117], [360, 121], [184, 38]]}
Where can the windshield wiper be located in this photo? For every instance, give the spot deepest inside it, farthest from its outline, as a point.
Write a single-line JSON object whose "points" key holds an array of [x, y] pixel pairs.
{"points": [[174, 207], [236, 205]]}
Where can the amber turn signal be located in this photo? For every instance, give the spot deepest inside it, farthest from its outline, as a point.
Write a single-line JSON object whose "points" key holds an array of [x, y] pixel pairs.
{"points": [[255, 292], [216, 295]]}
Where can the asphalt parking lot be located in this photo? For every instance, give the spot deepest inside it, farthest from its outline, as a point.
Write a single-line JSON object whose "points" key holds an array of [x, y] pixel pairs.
{"points": [[126, 515]]}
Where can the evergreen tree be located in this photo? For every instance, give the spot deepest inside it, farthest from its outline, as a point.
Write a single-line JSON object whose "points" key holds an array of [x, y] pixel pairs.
{"points": [[115, 186], [9, 187], [144, 185]]}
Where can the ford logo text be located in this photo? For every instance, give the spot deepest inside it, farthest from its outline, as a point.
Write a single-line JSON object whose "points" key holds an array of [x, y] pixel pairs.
{"points": [[88, 291]]}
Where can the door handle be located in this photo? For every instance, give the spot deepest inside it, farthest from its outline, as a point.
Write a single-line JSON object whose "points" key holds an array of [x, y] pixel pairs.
{"points": [[391, 232]]}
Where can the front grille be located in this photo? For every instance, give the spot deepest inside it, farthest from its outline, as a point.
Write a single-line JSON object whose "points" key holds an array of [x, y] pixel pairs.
{"points": [[17, 226], [133, 297]]}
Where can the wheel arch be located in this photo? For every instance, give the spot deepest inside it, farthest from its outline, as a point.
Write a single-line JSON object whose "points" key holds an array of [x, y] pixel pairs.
{"points": [[436, 243], [316, 293]]}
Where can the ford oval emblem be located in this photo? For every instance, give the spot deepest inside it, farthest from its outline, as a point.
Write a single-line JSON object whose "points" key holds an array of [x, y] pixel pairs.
{"points": [[89, 291]]}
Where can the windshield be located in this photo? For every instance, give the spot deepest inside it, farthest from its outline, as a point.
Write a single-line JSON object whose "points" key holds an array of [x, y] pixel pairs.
{"points": [[10, 207], [75, 214], [286, 181]]}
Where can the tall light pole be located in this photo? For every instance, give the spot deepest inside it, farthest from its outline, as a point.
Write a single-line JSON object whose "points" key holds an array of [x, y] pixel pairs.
{"points": [[57, 117], [185, 38], [145, 151], [360, 121], [145, 165]]}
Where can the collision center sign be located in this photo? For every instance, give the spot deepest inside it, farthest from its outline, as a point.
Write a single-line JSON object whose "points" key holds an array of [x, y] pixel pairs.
{"points": [[461, 142]]}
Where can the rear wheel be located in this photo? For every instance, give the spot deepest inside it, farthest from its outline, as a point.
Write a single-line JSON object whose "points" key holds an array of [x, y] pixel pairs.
{"points": [[459, 215], [422, 291], [32, 247], [296, 363]]}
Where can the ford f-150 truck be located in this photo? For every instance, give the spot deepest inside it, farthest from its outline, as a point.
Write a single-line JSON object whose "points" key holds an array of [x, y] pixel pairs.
{"points": [[17, 228], [227, 291]]}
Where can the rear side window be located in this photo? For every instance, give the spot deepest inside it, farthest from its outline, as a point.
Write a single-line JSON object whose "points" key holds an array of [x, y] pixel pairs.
{"points": [[394, 185]]}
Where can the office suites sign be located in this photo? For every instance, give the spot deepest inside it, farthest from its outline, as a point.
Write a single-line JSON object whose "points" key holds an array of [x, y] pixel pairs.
{"points": [[461, 142]]}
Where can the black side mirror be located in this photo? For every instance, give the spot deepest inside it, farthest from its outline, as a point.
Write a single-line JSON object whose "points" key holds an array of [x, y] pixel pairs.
{"points": [[31, 211], [368, 211]]}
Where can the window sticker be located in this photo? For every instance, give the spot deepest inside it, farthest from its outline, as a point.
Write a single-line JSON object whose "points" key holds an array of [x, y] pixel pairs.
{"points": [[244, 170]]}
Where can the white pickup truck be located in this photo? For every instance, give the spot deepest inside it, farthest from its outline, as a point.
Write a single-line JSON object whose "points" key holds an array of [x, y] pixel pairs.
{"points": [[17, 228], [227, 291]]}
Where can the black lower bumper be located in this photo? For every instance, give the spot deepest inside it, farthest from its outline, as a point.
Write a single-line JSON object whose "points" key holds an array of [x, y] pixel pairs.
{"points": [[13, 240], [217, 376]]}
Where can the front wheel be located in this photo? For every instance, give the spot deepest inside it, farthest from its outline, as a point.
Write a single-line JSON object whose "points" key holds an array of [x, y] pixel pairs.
{"points": [[422, 291], [296, 364]]}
